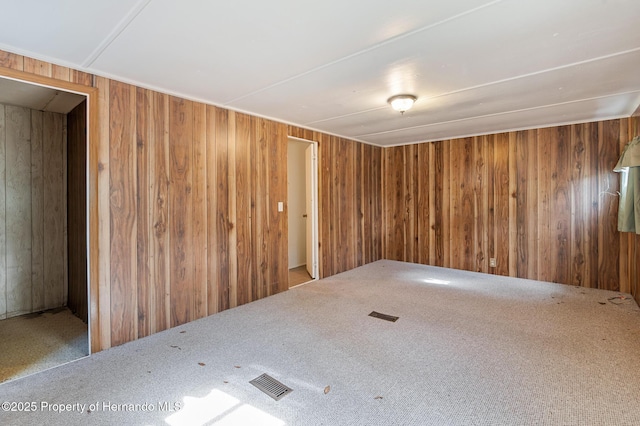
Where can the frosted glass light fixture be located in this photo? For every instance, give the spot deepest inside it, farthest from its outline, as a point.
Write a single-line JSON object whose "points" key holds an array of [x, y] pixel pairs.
{"points": [[402, 103]]}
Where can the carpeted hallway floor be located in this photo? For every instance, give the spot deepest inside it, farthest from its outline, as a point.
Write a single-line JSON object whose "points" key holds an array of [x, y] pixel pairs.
{"points": [[467, 349]]}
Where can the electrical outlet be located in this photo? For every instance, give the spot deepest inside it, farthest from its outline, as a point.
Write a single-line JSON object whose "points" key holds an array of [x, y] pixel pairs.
{"points": [[492, 262]]}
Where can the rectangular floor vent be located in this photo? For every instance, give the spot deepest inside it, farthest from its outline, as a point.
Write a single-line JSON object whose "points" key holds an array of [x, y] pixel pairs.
{"points": [[271, 386], [383, 316]]}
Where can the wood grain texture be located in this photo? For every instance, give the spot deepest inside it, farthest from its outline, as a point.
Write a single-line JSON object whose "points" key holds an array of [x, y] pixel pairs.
{"points": [[55, 204], [261, 223], [280, 137], [122, 196], [37, 67], [232, 211], [18, 210], [243, 210], [160, 302], [181, 207], [221, 195], [199, 190], [37, 211], [3, 216], [11, 61], [634, 240], [32, 210], [542, 202], [355, 183], [77, 210], [100, 316], [144, 126]]}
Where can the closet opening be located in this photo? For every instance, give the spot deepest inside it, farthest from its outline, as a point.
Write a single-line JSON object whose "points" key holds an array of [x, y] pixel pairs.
{"points": [[44, 257], [302, 202]]}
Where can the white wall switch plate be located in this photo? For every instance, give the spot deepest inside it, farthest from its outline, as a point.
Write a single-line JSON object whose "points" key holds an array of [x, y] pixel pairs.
{"points": [[280, 206]]}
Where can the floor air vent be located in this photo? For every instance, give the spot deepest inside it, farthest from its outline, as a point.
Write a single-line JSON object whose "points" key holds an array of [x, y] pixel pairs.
{"points": [[383, 316], [271, 386]]}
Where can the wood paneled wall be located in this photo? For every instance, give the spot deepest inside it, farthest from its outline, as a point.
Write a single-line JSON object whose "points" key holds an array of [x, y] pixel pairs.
{"points": [[183, 198], [187, 195], [631, 250], [77, 210], [542, 202], [32, 211], [194, 226], [350, 202]]}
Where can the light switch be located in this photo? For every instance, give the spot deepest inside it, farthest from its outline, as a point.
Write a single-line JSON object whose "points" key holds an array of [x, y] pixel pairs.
{"points": [[280, 206]]}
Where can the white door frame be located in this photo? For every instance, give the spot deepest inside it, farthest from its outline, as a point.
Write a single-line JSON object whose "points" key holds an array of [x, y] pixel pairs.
{"points": [[313, 214], [90, 94]]}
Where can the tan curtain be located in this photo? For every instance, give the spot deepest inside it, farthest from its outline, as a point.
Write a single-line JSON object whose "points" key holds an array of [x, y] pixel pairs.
{"points": [[629, 168]]}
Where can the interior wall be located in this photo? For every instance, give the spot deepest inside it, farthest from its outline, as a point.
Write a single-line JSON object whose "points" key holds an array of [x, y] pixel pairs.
{"points": [[350, 201], [542, 202], [32, 211], [194, 224], [632, 250], [186, 206], [77, 210], [296, 196]]}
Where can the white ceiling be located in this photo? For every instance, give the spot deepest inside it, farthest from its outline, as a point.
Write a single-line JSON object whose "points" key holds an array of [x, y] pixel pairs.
{"points": [[477, 66], [36, 97]]}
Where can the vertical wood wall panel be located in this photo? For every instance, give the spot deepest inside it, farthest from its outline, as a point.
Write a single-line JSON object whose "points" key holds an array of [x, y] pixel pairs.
{"points": [[542, 202], [279, 190], [32, 211], [243, 208], [37, 211], [221, 193], [199, 189], [122, 167], [100, 316], [181, 207], [634, 240], [232, 297], [77, 210], [143, 124], [3, 216], [160, 305], [18, 210], [54, 201], [257, 163], [353, 206], [608, 238]]}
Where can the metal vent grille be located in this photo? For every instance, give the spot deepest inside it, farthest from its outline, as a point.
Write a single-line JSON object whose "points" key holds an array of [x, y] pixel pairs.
{"points": [[383, 316], [271, 386]]}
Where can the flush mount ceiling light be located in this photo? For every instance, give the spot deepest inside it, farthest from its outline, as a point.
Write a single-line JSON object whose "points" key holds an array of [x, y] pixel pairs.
{"points": [[402, 103]]}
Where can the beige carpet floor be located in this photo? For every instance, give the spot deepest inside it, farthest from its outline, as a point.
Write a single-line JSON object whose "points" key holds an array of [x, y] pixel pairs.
{"points": [[467, 349], [35, 342]]}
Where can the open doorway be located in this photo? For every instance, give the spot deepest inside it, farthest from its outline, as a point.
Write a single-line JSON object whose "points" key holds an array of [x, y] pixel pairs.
{"points": [[302, 187], [44, 300]]}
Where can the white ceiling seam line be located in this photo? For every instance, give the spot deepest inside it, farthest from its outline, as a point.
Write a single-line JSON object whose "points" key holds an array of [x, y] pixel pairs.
{"points": [[509, 130], [203, 101], [366, 111], [115, 33], [492, 83], [496, 114], [363, 51]]}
